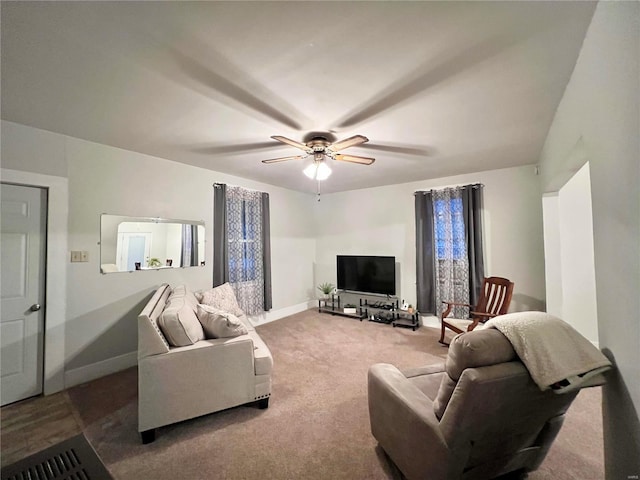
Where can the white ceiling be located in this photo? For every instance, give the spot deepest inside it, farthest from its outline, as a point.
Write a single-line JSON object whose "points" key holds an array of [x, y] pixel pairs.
{"points": [[439, 88]]}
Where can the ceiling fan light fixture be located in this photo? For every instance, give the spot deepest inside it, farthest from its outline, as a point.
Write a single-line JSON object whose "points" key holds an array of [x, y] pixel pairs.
{"points": [[318, 170], [323, 171]]}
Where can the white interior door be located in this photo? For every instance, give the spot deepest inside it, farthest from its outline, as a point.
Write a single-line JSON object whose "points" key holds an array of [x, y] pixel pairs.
{"points": [[132, 248], [22, 255]]}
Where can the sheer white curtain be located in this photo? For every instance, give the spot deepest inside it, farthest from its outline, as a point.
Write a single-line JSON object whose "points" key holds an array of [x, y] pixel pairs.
{"points": [[245, 248], [452, 263]]}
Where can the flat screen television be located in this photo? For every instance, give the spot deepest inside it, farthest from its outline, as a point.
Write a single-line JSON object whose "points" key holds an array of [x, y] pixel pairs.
{"points": [[367, 274]]}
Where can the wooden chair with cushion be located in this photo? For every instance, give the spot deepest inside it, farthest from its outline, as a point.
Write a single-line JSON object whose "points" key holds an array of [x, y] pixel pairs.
{"points": [[494, 300]]}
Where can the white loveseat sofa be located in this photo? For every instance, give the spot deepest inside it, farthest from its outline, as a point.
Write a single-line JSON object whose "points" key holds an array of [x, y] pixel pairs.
{"points": [[177, 383]]}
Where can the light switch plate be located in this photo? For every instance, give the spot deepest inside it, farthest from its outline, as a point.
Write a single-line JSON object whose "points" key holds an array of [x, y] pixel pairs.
{"points": [[76, 256]]}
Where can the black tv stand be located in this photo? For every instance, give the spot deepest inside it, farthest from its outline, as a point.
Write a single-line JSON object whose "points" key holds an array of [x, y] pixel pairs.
{"points": [[332, 306], [381, 305], [379, 311]]}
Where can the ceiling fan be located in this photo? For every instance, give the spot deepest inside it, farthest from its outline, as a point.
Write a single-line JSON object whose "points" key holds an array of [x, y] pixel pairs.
{"points": [[320, 147]]}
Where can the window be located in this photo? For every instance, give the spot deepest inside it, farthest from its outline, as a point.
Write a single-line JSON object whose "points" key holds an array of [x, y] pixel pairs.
{"points": [[449, 212], [244, 241]]}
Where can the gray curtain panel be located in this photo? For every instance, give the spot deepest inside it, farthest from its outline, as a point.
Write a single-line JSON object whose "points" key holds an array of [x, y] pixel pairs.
{"points": [[220, 252], [189, 251], [266, 251], [425, 253], [472, 202], [195, 261]]}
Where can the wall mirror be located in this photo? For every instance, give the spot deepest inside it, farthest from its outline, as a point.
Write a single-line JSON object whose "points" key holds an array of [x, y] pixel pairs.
{"points": [[128, 244]]}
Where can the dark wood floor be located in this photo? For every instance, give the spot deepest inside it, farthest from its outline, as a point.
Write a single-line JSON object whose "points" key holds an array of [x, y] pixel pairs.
{"points": [[34, 424]]}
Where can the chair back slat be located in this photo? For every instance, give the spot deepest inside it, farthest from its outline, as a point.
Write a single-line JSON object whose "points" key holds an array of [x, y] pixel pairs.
{"points": [[496, 296]]}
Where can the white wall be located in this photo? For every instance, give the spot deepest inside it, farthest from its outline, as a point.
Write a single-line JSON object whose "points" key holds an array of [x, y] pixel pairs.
{"points": [[569, 262], [101, 310], [579, 306], [381, 221], [552, 253], [32, 150], [600, 109]]}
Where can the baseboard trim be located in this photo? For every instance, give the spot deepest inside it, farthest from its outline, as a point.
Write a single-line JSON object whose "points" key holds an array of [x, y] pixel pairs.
{"points": [[430, 321], [100, 369], [273, 315]]}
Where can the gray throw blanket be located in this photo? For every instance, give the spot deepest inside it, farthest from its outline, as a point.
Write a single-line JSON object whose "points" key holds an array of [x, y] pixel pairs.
{"points": [[556, 355]]}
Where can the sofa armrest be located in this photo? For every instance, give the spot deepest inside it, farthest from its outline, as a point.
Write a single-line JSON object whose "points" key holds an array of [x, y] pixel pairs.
{"points": [[432, 369], [404, 423], [190, 381], [151, 341]]}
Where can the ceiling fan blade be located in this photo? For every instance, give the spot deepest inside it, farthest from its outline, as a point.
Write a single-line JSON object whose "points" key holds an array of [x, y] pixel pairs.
{"points": [[284, 159], [288, 141], [403, 149], [232, 148], [354, 159], [348, 142]]}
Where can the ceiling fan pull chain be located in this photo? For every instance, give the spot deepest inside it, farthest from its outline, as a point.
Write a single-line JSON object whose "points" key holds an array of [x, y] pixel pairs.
{"points": [[318, 182]]}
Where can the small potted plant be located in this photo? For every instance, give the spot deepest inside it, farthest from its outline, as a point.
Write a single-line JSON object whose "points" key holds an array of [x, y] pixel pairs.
{"points": [[326, 288], [410, 309], [154, 262]]}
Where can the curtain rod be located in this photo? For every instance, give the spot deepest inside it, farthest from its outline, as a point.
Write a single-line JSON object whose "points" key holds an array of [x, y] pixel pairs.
{"points": [[218, 185], [472, 185]]}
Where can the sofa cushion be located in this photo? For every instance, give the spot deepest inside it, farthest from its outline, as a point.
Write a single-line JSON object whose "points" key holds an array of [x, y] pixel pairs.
{"points": [[222, 298], [217, 323], [178, 322]]}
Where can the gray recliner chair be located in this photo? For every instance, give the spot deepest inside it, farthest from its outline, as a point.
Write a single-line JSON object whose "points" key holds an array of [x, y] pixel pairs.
{"points": [[478, 416]]}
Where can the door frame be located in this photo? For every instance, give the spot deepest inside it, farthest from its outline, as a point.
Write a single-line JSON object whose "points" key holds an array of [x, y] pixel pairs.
{"points": [[56, 271]]}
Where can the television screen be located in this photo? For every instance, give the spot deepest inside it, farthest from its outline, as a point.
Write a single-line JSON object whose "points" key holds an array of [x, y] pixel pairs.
{"points": [[367, 274]]}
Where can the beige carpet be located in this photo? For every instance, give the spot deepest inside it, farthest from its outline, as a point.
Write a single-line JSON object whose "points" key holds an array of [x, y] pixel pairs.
{"points": [[317, 424]]}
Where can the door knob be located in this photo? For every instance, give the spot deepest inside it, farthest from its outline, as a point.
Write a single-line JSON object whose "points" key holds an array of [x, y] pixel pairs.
{"points": [[35, 307]]}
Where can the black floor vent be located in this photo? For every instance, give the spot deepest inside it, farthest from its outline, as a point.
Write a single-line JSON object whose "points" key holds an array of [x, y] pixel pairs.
{"points": [[73, 459]]}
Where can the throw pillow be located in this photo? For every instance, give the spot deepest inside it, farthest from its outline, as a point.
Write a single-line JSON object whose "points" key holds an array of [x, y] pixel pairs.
{"points": [[179, 323], [189, 296], [219, 324], [222, 298]]}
